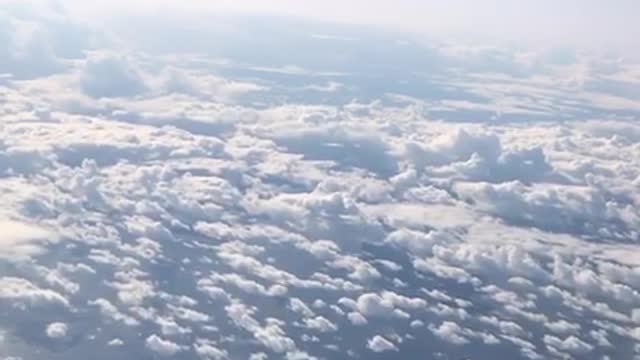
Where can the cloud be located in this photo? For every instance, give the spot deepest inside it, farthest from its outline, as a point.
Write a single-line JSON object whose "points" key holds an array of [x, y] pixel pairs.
{"points": [[110, 75], [551, 208], [209, 351], [25, 52], [161, 346], [39, 39], [21, 240], [22, 292], [108, 310], [380, 344], [450, 332], [479, 156], [388, 304], [571, 344], [320, 324], [206, 86], [57, 330], [357, 319], [198, 207]]}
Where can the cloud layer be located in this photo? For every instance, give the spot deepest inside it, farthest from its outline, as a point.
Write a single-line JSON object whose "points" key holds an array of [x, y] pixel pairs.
{"points": [[198, 201]]}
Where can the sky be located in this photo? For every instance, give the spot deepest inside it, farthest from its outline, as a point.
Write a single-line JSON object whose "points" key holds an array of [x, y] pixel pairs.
{"points": [[588, 23], [319, 180]]}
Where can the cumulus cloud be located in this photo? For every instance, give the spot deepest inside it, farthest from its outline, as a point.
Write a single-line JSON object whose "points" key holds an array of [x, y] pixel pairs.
{"points": [[450, 332], [320, 324], [161, 346], [215, 199], [22, 292], [209, 351], [388, 304], [20, 240], [27, 50], [357, 319], [110, 75], [571, 344], [380, 344], [57, 330]]}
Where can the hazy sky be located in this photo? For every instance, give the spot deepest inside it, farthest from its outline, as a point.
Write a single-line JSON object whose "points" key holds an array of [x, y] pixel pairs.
{"points": [[593, 23]]}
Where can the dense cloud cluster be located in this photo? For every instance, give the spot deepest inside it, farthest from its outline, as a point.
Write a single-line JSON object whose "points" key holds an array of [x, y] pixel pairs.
{"points": [[172, 206]]}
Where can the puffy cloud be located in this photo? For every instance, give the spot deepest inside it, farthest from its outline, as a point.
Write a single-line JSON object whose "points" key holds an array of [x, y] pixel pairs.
{"points": [[205, 85], [209, 351], [22, 240], [478, 156], [250, 286], [387, 304], [357, 319], [300, 307], [110, 311], [33, 38], [57, 330], [161, 346], [563, 327], [416, 324], [575, 210], [320, 324], [380, 344], [22, 292], [450, 332], [571, 344], [271, 334], [110, 75], [188, 204], [417, 242]]}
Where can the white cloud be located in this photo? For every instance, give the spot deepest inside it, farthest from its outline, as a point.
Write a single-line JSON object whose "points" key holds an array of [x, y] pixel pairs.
{"points": [[209, 351], [219, 208], [416, 324], [563, 327], [57, 330], [300, 307], [110, 75], [21, 240], [374, 305], [450, 332], [357, 319], [115, 342], [380, 344], [271, 335], [161, 346], [110, 311], [571, 344], [320, 324], [24, 293]]}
